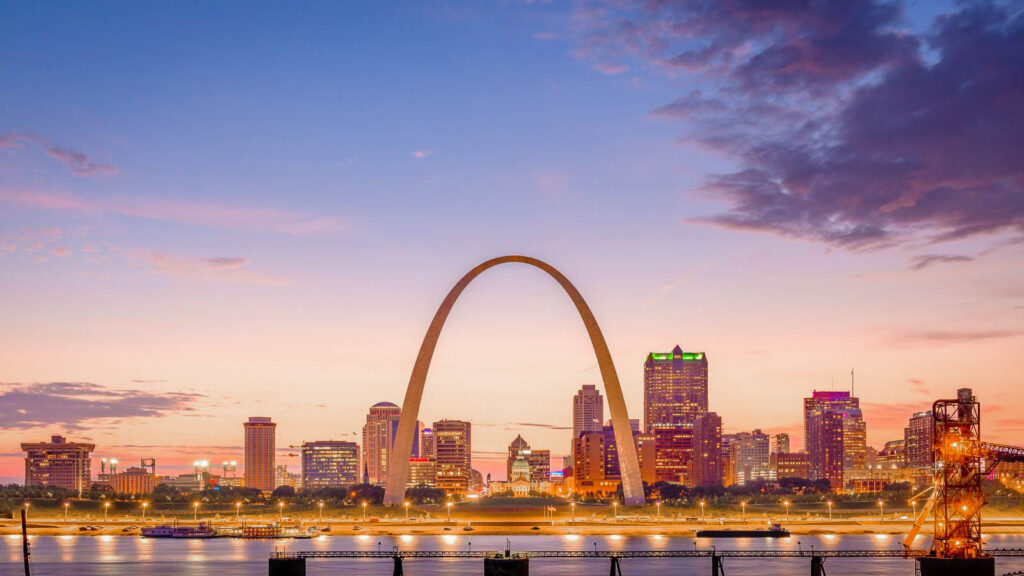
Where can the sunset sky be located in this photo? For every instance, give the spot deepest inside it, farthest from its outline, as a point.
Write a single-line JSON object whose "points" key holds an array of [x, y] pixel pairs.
{"points": [[210, 211]]}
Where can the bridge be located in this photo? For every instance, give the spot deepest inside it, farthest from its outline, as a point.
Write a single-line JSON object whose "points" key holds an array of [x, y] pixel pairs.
{"points": [[293, 563]]}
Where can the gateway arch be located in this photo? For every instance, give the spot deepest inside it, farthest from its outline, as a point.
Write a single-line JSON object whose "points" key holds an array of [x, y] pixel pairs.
{"points": [[629, 464]]}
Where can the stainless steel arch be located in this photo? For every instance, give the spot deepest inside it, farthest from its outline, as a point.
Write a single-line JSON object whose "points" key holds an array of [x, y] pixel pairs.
{"points": [[629, 464]]}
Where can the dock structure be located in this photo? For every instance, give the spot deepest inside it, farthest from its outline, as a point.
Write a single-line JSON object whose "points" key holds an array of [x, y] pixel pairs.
{"points": [[293, 563]]}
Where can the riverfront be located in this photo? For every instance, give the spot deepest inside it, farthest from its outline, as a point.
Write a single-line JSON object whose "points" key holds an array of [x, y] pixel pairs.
{"points": [[71, 555]]}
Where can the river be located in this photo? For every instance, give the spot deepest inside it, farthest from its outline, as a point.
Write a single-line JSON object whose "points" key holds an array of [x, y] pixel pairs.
{"points": [[121, 555]]}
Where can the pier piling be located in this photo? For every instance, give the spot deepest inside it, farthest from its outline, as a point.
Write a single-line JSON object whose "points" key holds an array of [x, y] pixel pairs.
{"points": [[817, 566], [717, 569], [398, 566], [616, 568]]}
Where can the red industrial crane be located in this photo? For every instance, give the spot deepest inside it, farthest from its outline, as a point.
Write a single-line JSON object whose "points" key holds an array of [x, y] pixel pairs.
{"points": [[960, 462]]}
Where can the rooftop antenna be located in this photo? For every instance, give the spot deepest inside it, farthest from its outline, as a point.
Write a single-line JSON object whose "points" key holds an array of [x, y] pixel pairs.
{"points": [[852, 394]]}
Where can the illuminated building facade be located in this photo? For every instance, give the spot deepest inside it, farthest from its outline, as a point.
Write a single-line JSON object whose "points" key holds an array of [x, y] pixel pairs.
{"points": [[329, 464], [378, 440], [749, 452], [673, 453], [834, 429], [453, 439], [260, 447], [422, 473], [133, 481], [675, 389], [587, 410], [58, 463], [825, 447], [791, 465], [707, 451], [780, 443], [892, 456], [917, 438]]}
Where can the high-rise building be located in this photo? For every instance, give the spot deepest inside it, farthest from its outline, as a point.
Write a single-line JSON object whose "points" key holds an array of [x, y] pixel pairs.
{"points": [[282, 477], [329, 464], [780, 443], [728, 461], [707, 450], [453, 444], [673, 454], [825, 447], [378, 439], [587, 411], [835, 435], [427, 443], [675, 389], [260, 448], [749, 452], [917, 437], [58, 463]]}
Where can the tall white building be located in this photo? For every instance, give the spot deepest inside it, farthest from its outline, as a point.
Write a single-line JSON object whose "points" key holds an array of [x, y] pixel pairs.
{"points": [[751, 454]]}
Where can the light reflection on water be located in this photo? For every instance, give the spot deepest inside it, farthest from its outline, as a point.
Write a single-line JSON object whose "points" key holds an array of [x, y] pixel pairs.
{"points": [[115, 555]]}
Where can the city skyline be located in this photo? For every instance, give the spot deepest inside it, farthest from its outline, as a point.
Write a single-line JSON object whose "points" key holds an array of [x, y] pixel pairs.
{"points": [[192, 233]]}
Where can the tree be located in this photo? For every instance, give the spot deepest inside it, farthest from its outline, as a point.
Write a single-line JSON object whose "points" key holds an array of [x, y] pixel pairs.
{"points": [[283, 492]]}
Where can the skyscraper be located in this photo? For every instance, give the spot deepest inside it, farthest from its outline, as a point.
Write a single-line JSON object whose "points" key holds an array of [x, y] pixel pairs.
{"points": [[917, 438], [329, 464], [453, 445], [707, 450], [675, 389], [835, 435], [260, 450], [587, 411], [427, 447], [378, 439], [58, 463]]}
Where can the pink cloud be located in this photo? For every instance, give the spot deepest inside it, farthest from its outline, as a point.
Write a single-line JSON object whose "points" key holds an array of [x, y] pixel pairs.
{"points": [[225, 269], [196, 213]]}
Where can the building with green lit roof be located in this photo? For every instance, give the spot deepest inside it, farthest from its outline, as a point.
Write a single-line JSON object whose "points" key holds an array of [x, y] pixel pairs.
{"points": [[675, 389]]}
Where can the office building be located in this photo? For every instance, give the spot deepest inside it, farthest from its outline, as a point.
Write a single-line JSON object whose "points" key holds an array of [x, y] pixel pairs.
{"points": [[791, 465], [780, 443], [282, 477], [892, 456], [675, 389], [260, 448], [134, 481], [749, 452], [58, 463], [917, 438], [539, 460], [329, 464], [707, 451], [427, 448], [378, 439], [835, 435], [453, 445], [673, 454], [587, 411], [422, 473]]}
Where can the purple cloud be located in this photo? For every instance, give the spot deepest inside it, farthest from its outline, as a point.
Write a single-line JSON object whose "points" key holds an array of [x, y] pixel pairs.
{"points": [[71, 404], [78, 162], [844, 130], [925, 260]]}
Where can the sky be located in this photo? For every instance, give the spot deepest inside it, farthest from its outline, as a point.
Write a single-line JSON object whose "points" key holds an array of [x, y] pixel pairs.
{"points": [[210, 211]]}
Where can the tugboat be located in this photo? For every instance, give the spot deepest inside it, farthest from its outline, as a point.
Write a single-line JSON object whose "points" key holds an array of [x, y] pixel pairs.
{"points": [[774, 531]]}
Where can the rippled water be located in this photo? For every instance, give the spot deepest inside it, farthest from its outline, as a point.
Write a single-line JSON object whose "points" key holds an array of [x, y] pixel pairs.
{"points": [[110, 555]]}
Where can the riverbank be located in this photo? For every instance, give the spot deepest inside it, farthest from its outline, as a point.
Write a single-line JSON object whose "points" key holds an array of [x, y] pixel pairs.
{"points": [[496, 527]]}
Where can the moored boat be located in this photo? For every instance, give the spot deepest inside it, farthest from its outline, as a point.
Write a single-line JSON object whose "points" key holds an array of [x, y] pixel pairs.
{"points": [[774, 531]]}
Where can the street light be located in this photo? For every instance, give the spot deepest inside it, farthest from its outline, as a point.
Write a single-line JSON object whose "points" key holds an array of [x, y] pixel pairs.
{"points": [[364, 510], [144, 506], [407, 511], [195, 511], [572, 507], [27, 503], [106, 506], [786, 502], [829, 510], [615, 507], [321, 511], [702, 512], [280, 512], [881, 510], [449, 505], [743, 507], [914, 504], [238, 509], [66, 506]]}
